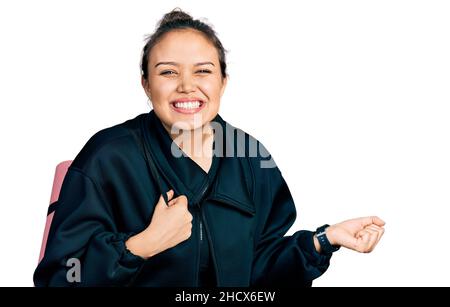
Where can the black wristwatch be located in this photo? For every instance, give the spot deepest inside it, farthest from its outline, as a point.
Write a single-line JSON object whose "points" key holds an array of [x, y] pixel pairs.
{"points": [[325, 245]]}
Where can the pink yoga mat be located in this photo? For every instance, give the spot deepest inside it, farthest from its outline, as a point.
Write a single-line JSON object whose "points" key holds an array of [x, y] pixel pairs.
{"points": [[61, 170]]}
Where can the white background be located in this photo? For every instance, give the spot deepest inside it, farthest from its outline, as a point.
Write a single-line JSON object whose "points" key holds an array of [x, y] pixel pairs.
{"points": [[352, 98]]}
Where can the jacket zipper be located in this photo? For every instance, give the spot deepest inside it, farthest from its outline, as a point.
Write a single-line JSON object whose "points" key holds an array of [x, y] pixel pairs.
{"points": [[200, 228], [202, 220], [201, 231], [199, 250], [199, 209]]}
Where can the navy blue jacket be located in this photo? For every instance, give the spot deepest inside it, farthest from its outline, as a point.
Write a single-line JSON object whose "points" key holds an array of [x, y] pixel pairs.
{"points": [[113, 184]]}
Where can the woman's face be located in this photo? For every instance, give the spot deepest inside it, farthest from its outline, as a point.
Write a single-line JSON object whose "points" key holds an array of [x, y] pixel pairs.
{"points": [[184, 82]]}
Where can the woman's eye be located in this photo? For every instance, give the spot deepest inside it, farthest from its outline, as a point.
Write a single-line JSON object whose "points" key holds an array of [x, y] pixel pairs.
{"points": [[171, 72], [167, 72]]}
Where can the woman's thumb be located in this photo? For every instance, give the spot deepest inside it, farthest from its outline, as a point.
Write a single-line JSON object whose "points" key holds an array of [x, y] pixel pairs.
{"points": [[170, 194]]}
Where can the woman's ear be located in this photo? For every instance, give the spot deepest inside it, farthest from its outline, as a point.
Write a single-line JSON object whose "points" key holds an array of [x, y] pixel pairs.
{"points": [[146, 87]]}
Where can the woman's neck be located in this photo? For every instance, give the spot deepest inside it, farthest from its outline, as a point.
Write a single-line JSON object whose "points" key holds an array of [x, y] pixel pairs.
{"points": [[196, 143]]}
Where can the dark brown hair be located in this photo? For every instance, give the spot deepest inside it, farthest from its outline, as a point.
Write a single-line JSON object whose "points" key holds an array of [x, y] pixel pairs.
{"points": [[174, 20]]}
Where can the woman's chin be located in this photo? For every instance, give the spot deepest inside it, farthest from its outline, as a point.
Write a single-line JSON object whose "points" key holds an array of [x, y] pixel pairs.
{"points": [[190, 121], [187, 125]]}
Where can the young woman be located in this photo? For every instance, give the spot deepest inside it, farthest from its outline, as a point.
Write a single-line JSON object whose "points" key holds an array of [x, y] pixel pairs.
{"points": [[178, 197]]}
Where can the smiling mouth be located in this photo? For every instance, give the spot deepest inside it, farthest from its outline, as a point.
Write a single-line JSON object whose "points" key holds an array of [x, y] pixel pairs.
{"points": [[187, 107]]}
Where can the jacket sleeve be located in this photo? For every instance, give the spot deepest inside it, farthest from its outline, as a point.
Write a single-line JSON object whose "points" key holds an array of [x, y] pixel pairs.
{"points": [[280, 260], [84, 229]]}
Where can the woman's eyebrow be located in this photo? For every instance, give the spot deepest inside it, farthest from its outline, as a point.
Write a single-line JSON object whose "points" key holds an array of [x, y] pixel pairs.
{"points": [[176, 64]]}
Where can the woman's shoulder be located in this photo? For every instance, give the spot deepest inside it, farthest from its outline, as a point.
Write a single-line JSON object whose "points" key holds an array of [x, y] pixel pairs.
{"points": [[110, 142]]}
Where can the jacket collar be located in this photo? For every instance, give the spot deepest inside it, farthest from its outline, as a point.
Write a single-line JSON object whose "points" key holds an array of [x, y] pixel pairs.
{"points": [[230, 177]]}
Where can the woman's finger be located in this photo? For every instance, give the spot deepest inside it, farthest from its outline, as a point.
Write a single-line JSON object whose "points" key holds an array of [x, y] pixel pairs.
{"points": [[379, 230], [372, 241], [170, 194], [369, 230], [377, 221], [363, 241], [375, 227], [369, 220]]}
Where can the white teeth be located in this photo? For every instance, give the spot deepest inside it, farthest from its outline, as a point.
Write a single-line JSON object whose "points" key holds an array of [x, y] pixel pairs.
{"points": [[187, 105]]}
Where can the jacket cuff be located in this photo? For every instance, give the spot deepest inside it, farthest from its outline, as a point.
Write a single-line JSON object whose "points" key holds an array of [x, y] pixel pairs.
{"points": [[306, 243], [127, 258]]}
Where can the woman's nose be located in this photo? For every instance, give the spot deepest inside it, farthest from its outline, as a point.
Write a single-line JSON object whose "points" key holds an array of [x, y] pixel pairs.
{"points": [[186, 84]]}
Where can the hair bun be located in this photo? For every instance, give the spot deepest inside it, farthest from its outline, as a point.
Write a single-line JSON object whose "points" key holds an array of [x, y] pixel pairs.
{"points": [[175, 15]]}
